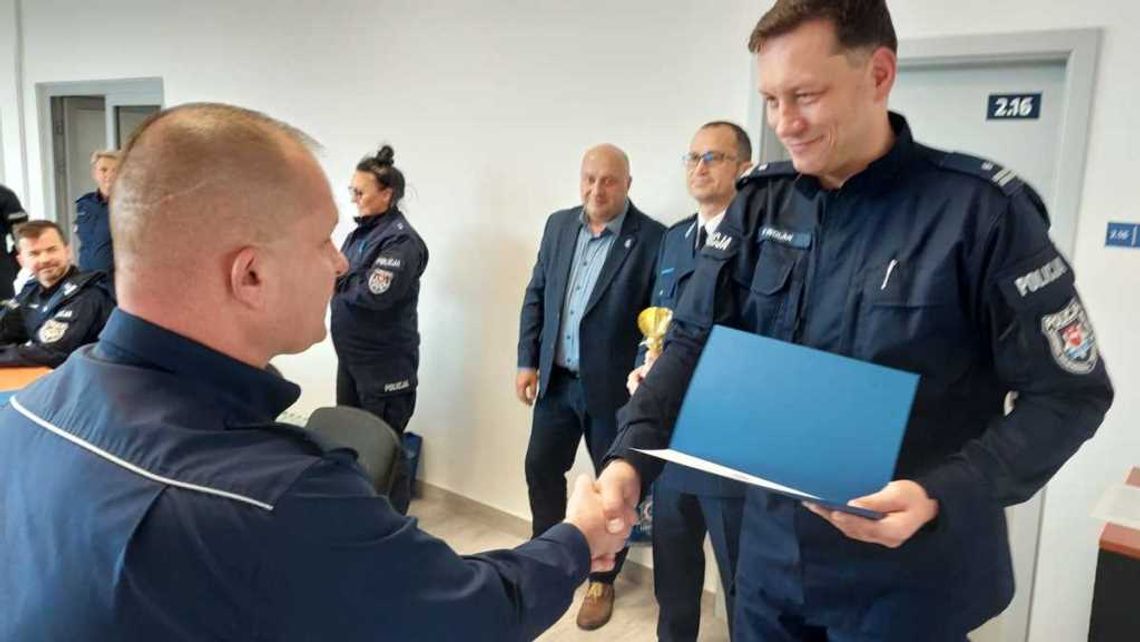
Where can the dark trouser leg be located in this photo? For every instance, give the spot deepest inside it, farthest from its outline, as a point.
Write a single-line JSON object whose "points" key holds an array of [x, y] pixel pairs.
{"points": [[678, 563], [723, 517], [600, 432], [554, 437], [346, 394], [357, 390], [755, 620]]}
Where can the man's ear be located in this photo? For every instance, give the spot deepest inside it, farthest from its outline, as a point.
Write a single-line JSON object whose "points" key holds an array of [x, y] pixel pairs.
{"points": [[884, 69], [247, 276]]}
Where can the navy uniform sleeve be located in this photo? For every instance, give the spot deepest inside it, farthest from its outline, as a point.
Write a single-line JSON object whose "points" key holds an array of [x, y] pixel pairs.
{"points": [[341, 564], [646, 422], [11, 211], [57, 338], [531, 316], [12, 323], [388, 278], [1044, 350]]}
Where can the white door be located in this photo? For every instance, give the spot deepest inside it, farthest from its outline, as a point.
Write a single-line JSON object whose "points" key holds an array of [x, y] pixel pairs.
{"points": [[85, 117]]}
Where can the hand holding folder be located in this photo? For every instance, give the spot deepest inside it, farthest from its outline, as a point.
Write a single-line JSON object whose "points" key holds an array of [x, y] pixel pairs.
{"points": [[808, 424]]}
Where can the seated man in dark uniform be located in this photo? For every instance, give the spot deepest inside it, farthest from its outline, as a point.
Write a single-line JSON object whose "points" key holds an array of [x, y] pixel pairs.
{"points": [[60, 308], [146, 491]]}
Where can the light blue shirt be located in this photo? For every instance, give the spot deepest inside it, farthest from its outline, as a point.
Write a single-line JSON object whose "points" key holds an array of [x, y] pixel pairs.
{"points": [[590, 254]]}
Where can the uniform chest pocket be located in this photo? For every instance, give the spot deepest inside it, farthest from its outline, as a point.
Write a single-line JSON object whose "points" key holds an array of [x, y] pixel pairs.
{"points": [[669, 285], [911, 317], [771, 296]]}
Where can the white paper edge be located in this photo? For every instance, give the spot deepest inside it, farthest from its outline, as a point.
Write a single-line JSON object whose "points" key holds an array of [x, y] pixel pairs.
{"points": [[1107, 507], [678, 457]]}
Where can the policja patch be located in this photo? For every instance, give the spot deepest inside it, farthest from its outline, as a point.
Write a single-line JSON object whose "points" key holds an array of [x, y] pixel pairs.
{"points": [[52, 331], [1071, 338], [379, 281]]}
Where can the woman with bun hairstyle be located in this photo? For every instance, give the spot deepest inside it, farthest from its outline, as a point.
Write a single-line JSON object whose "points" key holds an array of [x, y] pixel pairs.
{"points": [[374, 321]]}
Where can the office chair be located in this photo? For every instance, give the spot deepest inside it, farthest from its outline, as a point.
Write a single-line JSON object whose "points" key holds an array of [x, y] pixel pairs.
{"points": [[376, 444]]}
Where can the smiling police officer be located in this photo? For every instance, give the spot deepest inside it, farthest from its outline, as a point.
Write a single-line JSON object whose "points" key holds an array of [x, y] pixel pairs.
{"points": [[59, 309], [374, 311], [871, 245]]}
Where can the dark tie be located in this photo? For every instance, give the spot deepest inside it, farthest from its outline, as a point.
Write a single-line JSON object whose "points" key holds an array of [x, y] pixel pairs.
{"points": [[702, 236]]}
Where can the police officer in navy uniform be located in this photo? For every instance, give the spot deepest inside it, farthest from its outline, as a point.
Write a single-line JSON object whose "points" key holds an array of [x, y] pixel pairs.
{"points": [[688, 503], [374, 311], [578, 338], [92, 221], [871, 245], [58, 310], [12, 214], [148, 493]]}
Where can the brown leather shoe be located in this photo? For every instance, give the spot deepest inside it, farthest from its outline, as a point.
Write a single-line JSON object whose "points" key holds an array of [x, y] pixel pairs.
{"points": [[597, 607]]}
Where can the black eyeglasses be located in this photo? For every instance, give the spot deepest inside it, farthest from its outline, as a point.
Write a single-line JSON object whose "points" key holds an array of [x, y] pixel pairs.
{"points": [[692, 159], [354, 193]]}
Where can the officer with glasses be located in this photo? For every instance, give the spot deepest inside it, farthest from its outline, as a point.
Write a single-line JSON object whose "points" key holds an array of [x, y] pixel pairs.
{"points": [[688, 503]]}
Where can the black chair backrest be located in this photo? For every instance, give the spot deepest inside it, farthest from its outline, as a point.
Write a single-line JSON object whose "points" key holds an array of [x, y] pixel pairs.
{"points": [[376, 444]]}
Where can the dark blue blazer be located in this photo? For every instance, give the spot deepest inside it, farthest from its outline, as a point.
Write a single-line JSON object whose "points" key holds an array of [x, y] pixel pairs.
{"points": [[608, 332]]}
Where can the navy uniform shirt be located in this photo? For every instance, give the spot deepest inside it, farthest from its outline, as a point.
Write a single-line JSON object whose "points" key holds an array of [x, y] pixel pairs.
{"points": [[374, 309], [926, 261], [675, 263], [43, 326], [11, 214], [147, 494], [93, 228]]}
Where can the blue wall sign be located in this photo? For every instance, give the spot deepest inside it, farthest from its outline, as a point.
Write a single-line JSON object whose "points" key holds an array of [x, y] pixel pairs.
{"points": [[1123, 235]]}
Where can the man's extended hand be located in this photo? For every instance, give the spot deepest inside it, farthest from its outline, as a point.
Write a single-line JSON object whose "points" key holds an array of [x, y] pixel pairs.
{"points": [[620, 486], [584, 511], [526, 385], [907, 508]]}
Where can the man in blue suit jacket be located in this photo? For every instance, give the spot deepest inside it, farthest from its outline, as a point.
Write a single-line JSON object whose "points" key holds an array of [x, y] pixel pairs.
{"points": [[578, 336]]}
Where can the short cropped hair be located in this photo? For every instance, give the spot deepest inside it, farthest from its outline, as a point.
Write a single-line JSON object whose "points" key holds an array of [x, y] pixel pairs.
{"points": [[110, 154], [203, 168], [33, 230], [859, 24], [743, 142]]}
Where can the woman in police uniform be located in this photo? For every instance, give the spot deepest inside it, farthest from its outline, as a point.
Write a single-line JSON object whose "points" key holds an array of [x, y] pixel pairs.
{"points": [[374, 320]]}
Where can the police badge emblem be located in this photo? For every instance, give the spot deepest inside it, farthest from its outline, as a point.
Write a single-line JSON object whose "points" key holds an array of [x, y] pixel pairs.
{"points": [[1071, 338], [379, 281], [52, 331]]}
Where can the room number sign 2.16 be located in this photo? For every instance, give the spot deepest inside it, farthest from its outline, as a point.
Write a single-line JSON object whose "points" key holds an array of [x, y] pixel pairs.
{"points": [[1014, 107]]}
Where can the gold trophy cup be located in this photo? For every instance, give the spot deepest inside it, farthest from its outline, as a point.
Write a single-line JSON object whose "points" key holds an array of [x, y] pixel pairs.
{"points": [[654, 323]]}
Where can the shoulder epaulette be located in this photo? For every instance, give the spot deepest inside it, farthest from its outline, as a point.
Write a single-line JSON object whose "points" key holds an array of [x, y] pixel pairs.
{"points": [[685, 222], [766, 171], [1002, 177]]}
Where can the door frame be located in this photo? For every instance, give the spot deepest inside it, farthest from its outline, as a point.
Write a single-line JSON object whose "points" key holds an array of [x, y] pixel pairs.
{"points": [[1077, 50], [126, 91]]}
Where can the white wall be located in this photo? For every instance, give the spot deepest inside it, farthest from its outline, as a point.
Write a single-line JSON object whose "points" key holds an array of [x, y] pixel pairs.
{"points": [[10, 168], [489, 107]]}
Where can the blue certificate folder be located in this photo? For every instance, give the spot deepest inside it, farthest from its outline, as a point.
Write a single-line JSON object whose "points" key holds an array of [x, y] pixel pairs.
{"points": [[798, 421]]}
